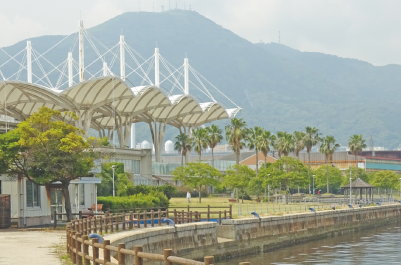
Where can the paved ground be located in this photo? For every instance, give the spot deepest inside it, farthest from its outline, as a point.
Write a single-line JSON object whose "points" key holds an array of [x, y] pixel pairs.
{"points": [[29, 247]]}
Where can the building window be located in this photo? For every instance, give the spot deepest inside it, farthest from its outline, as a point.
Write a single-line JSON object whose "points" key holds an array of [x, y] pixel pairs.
{"points": [[81, 194], [136, 166], [32, 194]]}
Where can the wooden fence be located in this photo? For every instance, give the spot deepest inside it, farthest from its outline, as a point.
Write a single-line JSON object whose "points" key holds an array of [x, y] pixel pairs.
{"points": [[106, 221], [78, 244]]}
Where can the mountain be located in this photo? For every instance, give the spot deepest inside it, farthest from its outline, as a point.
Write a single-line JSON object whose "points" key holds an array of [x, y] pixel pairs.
{"points": [[279, 88]]}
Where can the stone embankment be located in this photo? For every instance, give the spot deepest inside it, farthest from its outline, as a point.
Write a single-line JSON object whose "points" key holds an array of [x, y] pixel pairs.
{"points": [[239, 237]]}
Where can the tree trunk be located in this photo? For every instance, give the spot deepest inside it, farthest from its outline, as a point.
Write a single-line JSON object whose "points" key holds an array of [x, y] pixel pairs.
{"points": [[309, 169], [257, 166], [327, 176], [212, 158], [200, 155], [182, 159], [356, 166], [242, 195], [265, 161], [67, 200], [237, 156], [200, 198]]}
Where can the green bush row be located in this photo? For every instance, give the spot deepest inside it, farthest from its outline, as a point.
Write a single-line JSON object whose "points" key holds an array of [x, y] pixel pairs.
{"points": [[153, 199]]}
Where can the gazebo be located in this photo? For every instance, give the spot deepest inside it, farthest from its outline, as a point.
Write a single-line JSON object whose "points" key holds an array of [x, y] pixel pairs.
{"points": [[359, 184]]}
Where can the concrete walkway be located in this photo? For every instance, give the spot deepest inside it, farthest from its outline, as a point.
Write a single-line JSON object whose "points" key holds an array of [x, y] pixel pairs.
{"points": [[29, 247]]}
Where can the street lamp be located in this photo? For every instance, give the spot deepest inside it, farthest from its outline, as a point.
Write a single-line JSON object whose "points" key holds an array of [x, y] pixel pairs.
{"points": [[112, 167], [313, 187]]}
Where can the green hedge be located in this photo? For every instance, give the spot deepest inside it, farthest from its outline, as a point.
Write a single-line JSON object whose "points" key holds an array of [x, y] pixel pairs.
{"points": [[152, 200]]}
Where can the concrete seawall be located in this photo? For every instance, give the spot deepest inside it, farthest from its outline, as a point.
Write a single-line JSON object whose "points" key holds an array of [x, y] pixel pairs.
{"points": [[252, 235]]}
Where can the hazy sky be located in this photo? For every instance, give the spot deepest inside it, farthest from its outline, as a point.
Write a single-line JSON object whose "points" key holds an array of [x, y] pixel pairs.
{"points": [[364, 29]]}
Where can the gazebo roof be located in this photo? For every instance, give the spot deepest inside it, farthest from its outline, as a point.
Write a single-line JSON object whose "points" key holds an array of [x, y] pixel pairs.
{"points": [[358, 183]]}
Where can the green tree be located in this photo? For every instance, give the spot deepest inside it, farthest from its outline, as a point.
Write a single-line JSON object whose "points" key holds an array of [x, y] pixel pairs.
{"points": [[183, 145], [336, 177], [273, 144], [285, 143], [235, 136], [355, 144], [255, 141], [122, 180], [299, 142], [238, 177], [285, 173], [196, 175], [328, 147], [385, 179], [200, 141], [312, 138], [48, 150], [361, 174], [214, 136], [265, 143]]}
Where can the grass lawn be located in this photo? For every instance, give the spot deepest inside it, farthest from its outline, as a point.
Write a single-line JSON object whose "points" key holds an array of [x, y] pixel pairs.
{"points": [[241, 210]]}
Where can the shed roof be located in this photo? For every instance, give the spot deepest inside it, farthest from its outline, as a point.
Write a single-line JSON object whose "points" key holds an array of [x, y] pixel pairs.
{"points": [[358, 183]]}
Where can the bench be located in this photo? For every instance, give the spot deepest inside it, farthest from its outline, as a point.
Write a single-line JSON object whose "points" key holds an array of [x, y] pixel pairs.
{"points": [[232, 200]]}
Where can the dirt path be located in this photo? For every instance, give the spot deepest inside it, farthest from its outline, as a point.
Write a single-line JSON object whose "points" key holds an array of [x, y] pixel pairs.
{"points": [[29, 247]]}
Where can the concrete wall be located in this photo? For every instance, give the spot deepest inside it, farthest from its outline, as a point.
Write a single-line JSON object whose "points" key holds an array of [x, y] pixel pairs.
{"points": [[250, 235], [155, 240]]}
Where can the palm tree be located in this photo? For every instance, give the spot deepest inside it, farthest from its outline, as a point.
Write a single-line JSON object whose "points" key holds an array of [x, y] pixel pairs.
{"points": [[273, 144], [311, 139], [183, 145], [235, 136], [254, 141], [214, 136], [266, 139], [299, 142], [328, 147], [285, 143], [355, 145], [200, 141]]}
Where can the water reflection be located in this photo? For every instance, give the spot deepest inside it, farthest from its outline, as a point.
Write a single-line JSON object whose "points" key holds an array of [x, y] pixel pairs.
{"points": [[374, 246]]}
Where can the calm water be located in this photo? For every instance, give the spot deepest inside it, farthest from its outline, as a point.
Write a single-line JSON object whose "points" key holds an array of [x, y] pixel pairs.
{"points": [[376, 246]]}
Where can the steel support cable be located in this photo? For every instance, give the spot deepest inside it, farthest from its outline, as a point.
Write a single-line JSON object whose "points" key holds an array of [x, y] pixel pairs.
{"points": [[147, 72], [178, 80], [93, 45], [168, 69], [113, 60], [41, 68], [99, 58], [62, 72], [134, 71], [1, 73], [20, 68], [204, 87], [55, 67], [212, 85], [74, 42], [138, 64], [11, 57], [175, 78], [41, 55], [60, 78]]}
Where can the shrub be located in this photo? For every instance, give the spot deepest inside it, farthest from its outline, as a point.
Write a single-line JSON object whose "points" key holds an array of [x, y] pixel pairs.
{"points": [[167, 190], [154, 199]]}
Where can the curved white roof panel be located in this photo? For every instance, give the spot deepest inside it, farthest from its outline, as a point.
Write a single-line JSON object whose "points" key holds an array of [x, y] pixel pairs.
{"points": [[109, 100]]}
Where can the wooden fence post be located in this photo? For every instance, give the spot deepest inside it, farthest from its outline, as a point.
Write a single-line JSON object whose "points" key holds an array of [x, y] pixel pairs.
{"points": [[72, 247], [145, 219], [85, 250], [131, 220], [167, 253], [95, 225], [78, 249], [123, 219], [139, 220], [138, 260], [152, 217], [231, 211], [219, 217], [208, 213], [120, 255], [80, 215], [111, 222], [209, 260], [106, 252], [101, 224], [159, 217], [175, 216], [95, 251]]}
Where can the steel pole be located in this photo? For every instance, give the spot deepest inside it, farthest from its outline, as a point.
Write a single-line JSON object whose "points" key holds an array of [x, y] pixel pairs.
{"points": [[113, 183]]}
